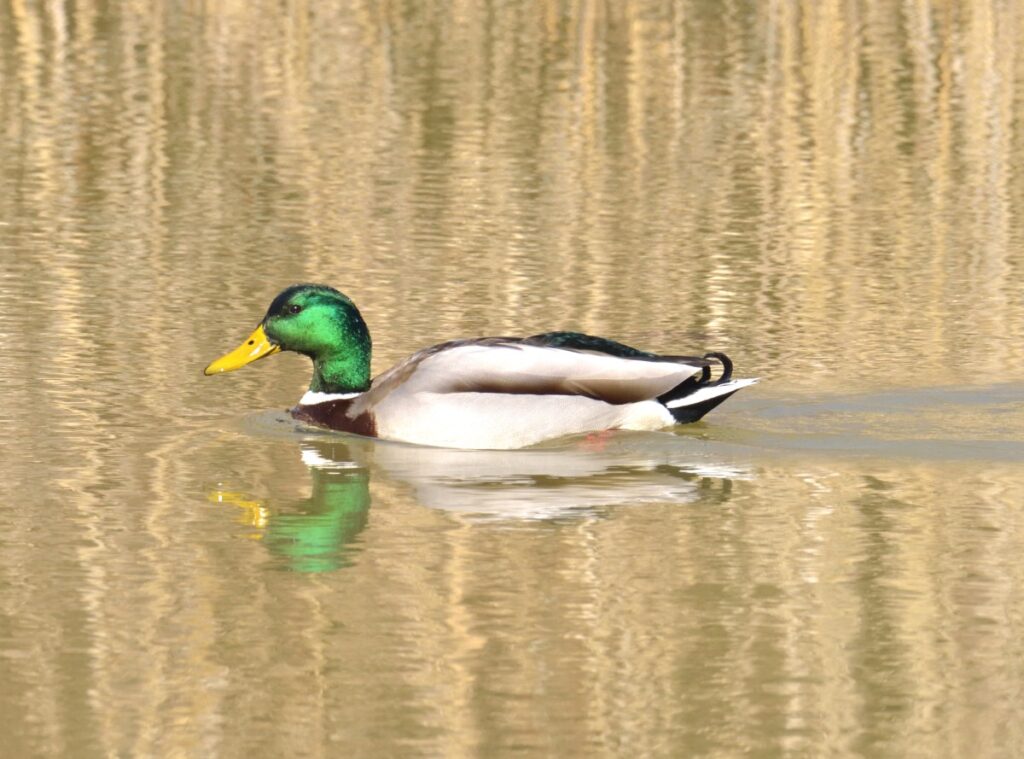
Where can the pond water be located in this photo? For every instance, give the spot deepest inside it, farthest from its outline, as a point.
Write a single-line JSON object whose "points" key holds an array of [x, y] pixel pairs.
{"points": [[828, 565]]}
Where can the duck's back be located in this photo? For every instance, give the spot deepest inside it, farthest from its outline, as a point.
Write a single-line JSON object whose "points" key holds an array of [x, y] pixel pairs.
{"points": [[509, 393]]}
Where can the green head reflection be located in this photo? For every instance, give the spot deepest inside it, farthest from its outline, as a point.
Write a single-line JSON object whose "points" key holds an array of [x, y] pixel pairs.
{"points": [[315, 534], [318, 537]]}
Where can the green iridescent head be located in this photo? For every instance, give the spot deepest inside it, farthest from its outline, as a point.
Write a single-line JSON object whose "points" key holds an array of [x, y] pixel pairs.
{"points": [[316, 321]]}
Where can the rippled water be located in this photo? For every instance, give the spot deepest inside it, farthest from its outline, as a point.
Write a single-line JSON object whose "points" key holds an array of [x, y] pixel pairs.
{"points": [[829, 565]]}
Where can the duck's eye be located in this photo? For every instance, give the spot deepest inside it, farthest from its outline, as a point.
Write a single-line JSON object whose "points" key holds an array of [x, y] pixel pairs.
{"points": [[294, 308]]}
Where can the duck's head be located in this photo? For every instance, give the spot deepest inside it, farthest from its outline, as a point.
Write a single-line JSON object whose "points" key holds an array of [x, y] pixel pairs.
{"points": [[316, 321]]}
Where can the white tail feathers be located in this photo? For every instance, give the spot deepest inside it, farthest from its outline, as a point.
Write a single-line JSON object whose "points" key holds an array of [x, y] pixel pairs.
{"points": [[707, 392]]}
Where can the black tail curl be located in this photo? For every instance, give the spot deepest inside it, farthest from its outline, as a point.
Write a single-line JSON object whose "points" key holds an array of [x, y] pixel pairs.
{"points": [[726, 363], [692, 384], [685, 414]]}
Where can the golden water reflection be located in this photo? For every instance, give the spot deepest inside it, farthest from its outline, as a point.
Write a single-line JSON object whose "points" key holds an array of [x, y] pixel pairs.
{"points": [[828, 191], [850, 600], [788, 598]]}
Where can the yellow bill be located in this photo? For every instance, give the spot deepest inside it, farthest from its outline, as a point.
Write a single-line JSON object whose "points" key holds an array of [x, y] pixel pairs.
{"points": [[256, 346]]}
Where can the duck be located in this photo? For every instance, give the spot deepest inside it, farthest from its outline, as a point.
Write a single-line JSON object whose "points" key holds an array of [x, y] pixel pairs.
{"points": [[479, 393]]}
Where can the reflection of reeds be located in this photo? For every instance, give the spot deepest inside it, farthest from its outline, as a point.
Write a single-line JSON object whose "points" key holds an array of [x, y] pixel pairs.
{"points": [[669, 173], [827, 188]]}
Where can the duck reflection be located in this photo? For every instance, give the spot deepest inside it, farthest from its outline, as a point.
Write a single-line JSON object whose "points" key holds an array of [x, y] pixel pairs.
{"points": [[570, 481], [317, 533], [578, 480]]}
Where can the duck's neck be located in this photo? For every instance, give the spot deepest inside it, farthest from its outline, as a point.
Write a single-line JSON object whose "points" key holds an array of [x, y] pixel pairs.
{"points": [[345, 369], [341, 374]]}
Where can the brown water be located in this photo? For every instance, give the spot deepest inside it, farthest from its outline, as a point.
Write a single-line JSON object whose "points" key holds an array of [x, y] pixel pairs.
{"points": [[829, 565]]}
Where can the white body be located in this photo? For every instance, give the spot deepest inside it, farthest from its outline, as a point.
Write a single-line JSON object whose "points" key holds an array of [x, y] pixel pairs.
{"points": [[533, 393], [493, 420]]}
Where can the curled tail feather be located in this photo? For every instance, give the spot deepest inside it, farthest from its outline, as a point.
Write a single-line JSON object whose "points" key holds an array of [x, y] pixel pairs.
{"points": [[689, 401]]}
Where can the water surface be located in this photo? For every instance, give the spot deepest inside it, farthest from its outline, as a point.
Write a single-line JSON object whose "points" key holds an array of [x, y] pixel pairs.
{"points": [[829, 565]]}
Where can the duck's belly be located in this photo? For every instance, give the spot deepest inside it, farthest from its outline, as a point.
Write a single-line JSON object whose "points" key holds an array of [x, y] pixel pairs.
{"points": [[494, 420]]}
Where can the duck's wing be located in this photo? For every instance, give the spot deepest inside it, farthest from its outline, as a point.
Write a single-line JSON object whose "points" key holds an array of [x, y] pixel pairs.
{"points": [[514, 366], [583, 342]]}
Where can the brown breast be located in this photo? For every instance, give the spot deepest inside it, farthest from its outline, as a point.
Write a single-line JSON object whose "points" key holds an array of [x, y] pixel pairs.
{"points": [[334, 415]]}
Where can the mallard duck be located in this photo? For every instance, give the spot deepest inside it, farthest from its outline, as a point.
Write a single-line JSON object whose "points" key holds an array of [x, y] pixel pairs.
{"points": [[492, 392]]}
